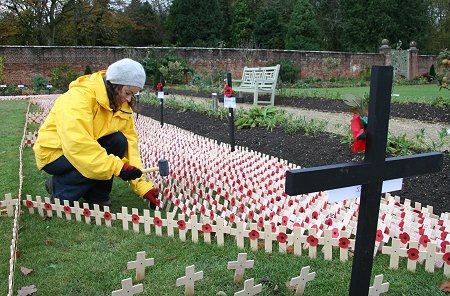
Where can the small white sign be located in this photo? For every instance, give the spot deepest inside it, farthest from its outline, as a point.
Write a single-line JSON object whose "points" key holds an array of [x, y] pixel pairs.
{"points": [[160, 95], [448, 131], [3, 85], [229, 102], [49, 86], [355, 191], [20, 86]]}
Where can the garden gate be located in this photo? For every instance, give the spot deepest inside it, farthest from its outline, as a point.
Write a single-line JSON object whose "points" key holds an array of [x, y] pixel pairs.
{"points": [[400, 62]]}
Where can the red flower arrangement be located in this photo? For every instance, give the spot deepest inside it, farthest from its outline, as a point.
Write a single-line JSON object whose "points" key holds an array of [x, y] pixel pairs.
{"points": [[413, 254], [358, 123], [312, 241], [344, 243], [227, 91], [157, 221], [107, 216], [282, 237], [446, 258], [48, 206], [135, 219], [29, 204], [206, 228], [253, 235], [404, 237], [67, 210], [86, 212], [159, 86]]}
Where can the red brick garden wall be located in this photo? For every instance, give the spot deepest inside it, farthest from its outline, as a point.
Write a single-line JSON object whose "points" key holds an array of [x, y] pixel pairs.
{"points": [[24, 62]]}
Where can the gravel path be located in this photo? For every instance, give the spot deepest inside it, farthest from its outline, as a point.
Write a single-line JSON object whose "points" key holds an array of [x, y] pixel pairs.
{"points": [[337, 123]]}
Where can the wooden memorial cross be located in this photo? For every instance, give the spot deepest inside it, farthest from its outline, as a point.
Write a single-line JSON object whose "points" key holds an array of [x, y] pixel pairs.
{"points": [[128, 289], [189, 279], [140, 264], [371, 173], [299, 283], [239, 266]]}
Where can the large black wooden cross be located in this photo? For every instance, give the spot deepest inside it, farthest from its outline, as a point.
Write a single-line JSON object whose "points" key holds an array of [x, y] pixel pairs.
{"points": [[369, 173]]}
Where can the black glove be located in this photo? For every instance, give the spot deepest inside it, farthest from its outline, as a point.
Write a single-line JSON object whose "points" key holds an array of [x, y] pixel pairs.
{"points": [[130, 172]]}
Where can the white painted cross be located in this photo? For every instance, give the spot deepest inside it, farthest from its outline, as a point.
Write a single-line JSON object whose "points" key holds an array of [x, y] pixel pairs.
{"points": [[395, 252], [189, 279], [378, 286], [125, 217], [140, 264], [249, 289], [299, 283], [9, 203], [128, 289], [239, 266]]}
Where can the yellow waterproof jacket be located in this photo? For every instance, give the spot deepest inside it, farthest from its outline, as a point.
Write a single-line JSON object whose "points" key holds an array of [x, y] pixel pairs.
{"points": [[77, 120]]}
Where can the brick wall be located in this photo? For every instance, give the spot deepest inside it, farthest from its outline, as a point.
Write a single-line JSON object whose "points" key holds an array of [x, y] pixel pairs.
{"points": [[24, 62]]}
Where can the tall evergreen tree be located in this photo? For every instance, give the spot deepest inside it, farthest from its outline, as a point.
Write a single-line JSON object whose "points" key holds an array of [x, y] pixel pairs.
{"points": [[329, 17], [303, 31], [269, 31], [244, 14], [195, 22]]}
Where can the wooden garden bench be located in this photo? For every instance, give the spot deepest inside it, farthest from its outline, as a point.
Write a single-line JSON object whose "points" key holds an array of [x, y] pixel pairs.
{"points": [[258, 80]]}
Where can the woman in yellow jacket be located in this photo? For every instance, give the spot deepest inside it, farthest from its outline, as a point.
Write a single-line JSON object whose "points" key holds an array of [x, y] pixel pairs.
{"points": [[89, 137]]}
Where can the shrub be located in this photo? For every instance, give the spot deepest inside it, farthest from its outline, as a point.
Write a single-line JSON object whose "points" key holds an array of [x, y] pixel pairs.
{"points": [[39, 83], [289, 72], [61, 77], [87, 70], [173, 72]]}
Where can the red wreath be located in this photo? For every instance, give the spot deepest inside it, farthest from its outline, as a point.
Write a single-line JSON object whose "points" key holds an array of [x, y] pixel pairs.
{"points": [[228, 91], [159, 86]]}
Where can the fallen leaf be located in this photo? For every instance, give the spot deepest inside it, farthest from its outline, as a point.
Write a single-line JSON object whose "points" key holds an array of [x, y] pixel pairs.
{"points": [[28, 290], [261, 246], [25, 270], [445, 286], [49, 242], [170, 258], [290, 249], [123, 270], [18, 254]]}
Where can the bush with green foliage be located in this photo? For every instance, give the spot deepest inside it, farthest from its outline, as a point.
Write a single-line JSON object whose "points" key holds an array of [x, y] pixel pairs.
{"points": [[39, 83], [153, 63], [268, 117], [61, 77], [87, 70], [289, 72]]}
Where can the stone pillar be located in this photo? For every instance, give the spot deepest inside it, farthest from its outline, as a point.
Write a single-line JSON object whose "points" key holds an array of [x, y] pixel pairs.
{"points": [[413, 61], [385, 49]]}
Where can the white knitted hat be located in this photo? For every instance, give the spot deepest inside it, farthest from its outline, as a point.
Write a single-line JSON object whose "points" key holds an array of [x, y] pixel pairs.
{"points": [[126, 72]]}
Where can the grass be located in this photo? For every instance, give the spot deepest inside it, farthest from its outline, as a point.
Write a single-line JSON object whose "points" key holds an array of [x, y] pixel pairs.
{"points": [[71, 258], [425, 93]]}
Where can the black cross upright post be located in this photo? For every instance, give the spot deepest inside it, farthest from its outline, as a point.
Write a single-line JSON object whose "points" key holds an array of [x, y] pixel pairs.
{"points": [[369, 173], [231, 117]]}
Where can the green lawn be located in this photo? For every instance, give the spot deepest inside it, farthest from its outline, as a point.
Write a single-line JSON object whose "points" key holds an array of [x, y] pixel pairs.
{"points": [[72, 258], [401, 94]]}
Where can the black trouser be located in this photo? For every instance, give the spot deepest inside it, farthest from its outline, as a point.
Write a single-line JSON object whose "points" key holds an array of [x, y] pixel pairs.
{"points": [[69, 184]]}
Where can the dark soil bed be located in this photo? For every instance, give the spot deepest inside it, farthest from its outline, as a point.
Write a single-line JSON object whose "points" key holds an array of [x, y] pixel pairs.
{"points": [[311, 151]]}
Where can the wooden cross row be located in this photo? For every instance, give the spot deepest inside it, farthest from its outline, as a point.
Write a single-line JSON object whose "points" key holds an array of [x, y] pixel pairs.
{"points": [[370, 174]]}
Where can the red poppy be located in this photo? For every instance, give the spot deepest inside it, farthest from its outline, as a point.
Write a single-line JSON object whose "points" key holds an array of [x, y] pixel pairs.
{"points": [[444, 235], [206, 228], [253, 235], [86, 212], [107, 216], [413, 254], [314, 215], [335, 233], [424, 240], [358, 133], [301, 210], [379, 235], [135, 219], [48, 206], [29, 204], [251, 215], [344, 243], [446, 258], [329, 222], [444, 246], [404, 237], [232, 217], [260, 222], [181, 224], [228, 91], [312, 241], [177, 202], [284, 220], [282, 237], [274, 227], [67, 210], [157, 221]]}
